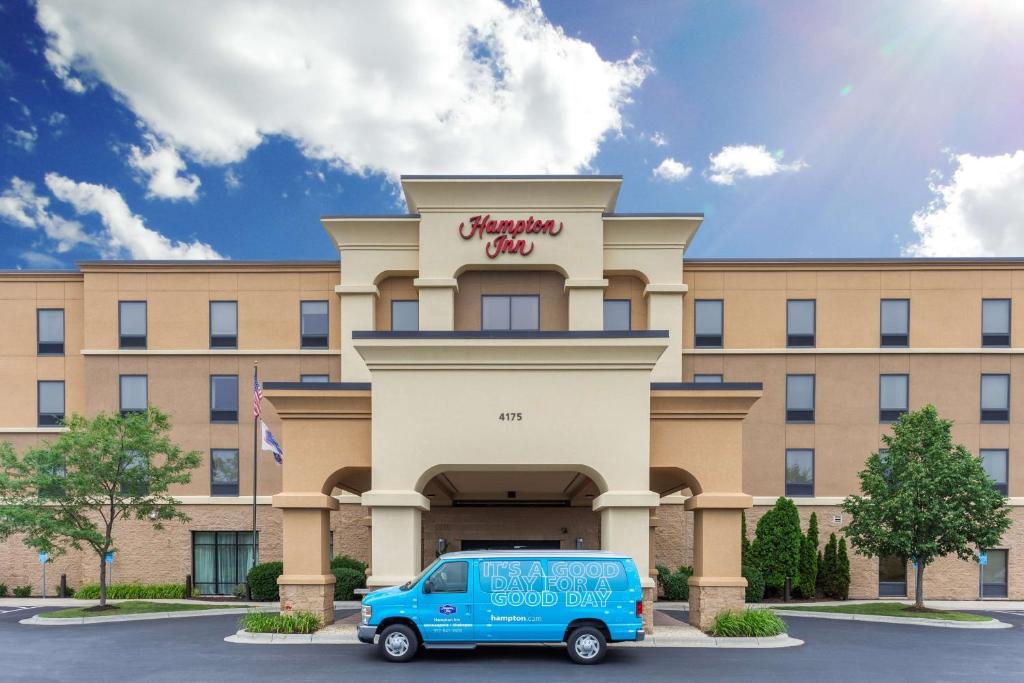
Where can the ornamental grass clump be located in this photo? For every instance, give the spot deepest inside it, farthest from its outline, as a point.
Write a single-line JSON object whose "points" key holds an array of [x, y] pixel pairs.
{"points": [[751, 623], [265, 622], [134, 591]]}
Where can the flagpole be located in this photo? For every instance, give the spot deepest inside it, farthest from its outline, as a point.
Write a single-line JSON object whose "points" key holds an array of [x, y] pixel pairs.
{"points": [[255, 460]]}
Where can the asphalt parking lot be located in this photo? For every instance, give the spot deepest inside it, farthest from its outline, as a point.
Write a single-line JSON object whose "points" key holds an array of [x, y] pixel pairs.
{"points": [[194, 650]]}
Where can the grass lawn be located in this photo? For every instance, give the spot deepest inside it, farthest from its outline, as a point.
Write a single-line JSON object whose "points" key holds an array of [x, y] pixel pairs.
{"points": [[128, 607], [888, 609]]}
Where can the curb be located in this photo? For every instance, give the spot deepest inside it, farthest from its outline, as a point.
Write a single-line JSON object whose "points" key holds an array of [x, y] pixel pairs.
{"points": [[36, 620], [913, 621], [335, 638]]}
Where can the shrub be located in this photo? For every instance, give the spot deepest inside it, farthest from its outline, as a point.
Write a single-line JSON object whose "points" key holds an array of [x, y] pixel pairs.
{"points": [[745, 557], [263, 581], [22, 591], [829, 562], [819, 580], [750, 623], [809, 559], [134, 591], [344, 561], [755, 584], [70, 592], [776, 547], [346, 581], [263, 622], [842, 580], [3, 590], [675, 584]]}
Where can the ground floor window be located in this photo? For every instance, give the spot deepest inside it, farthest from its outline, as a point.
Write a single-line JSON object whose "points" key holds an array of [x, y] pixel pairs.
{"points": [[993, 574], [221, 560], [892, 577]]}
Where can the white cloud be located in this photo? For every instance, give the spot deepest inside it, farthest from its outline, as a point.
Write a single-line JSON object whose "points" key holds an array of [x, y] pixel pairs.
{"points": [[25, 139], [671, 170], [978, 212], [752, 161], [21, 206], [391, 87], [658, 139], [126, 232], [161, 163], [37, 259], [232, 179]]}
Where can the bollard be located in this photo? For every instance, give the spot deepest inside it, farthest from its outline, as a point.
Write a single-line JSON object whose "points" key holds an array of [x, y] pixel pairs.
{"points": [[788, 584], [188, 585], [63, 585]]}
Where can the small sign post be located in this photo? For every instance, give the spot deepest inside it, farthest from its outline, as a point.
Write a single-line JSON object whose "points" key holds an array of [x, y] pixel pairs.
{"points": [[44, 557], [982, 559], [109, 559]]}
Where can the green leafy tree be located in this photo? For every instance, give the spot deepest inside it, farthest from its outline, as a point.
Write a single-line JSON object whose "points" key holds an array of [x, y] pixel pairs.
{"points": [[924, 498], [830, 560], [776, 547], [70, 493], [809, 558], [744, 540], [842, 579], [819, 580]]}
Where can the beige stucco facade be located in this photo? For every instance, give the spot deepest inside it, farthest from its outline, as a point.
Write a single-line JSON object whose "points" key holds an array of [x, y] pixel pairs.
{"points": [[405, 450]]}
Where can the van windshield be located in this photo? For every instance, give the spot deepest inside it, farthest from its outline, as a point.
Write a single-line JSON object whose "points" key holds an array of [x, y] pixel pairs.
{"points": [[414, 580]]}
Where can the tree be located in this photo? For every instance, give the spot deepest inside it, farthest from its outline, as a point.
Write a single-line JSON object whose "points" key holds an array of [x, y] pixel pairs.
{"points": [[744, 541], [842, 580], [828, 569], [776, 547], [809, 558], [924, 498], [819, 580], [71, 492]]}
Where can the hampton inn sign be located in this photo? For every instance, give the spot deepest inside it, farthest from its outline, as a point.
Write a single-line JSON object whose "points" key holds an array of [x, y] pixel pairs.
{"points": [[505, 240]]}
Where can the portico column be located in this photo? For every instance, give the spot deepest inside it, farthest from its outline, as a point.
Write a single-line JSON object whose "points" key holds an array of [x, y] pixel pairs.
{"points": [[665, 312], [717, 583], [586, 303], [437, 302], [307, 584], [395, 536], [625, 528], [358, 312]]}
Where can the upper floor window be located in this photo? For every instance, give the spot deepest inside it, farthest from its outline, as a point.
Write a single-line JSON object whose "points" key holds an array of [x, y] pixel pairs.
{"points": [[405, 315], [510, 312], [223, 398], [134, 394], [895, 323], [314, 324], [996, 464], [135, 481], [893, 393], [799, 398], [132, 324], [314, 378], [224, 472], [50, 409], [995, 398], [707, 379], [799, 472], [707, 323], [800, 322], [223, 324], [995, 322], [50, 331], [617, 314]]}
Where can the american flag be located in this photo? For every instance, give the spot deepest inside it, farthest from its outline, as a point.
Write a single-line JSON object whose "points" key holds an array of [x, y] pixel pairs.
{"points": [[257, 398]]}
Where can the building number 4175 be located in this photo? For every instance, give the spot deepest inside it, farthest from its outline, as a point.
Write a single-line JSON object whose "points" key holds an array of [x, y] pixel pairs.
{"points": [[510, 417]]}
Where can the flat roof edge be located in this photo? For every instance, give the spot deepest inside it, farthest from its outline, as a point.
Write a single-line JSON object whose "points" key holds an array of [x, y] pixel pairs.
{"points": [[511, 177], [371, 217], [318, 386], [708, 386], [668, 214]]}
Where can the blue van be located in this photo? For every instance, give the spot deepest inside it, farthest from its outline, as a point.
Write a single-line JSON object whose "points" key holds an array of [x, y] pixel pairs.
{"points": [[585, 599]]}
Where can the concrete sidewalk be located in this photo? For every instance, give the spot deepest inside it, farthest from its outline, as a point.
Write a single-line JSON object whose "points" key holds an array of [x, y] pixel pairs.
{"points": [[956, 605], [72, 602]]}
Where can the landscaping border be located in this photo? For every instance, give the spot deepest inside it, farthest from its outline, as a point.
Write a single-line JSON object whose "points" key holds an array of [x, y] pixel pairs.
{"points": [[914, 621], [36, 620]]}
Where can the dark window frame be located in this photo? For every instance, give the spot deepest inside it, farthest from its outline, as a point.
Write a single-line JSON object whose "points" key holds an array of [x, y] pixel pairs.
{"points": [[405, 301], [132, 341], [807, 490], [708, 341], [51, 348], [141, 491], [889, 415], [996, 416], [120, 394], [326, 377], [1002, 487], [1000, 589], [802, 416], [629, 314], [223, 489], [899, 341], [254, 542], [450, 592], [720, 376], [892, 589], [224, 416], [509, 297], [51, 419], [311, 341], [997, 340], [801, 340], [223, 341]]}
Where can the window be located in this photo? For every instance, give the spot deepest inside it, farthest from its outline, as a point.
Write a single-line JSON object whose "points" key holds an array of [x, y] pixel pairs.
{"points": [[996, 464], [50, 404], [617, 314], [707, 379], [995, 398], [314, 324], [995, 322], [405, 315], [450, 577], [132, 324], [799, 472], [50, 331], [223, 398], [799, 398], [892, 577], [993, 574], [892, 397], [800, 322], [895, 322], [54, 488], [223, 324], [707, 323], [134, 394], [314, 378], [515, 312], [134, 482], [224, 472], [221, 560]]}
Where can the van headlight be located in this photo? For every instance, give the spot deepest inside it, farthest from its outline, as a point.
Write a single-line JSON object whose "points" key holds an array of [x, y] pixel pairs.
{"points": [[367, 613]]}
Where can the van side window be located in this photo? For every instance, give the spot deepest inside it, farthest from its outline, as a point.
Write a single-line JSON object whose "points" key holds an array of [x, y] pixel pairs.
{"points": [[450, 577]]}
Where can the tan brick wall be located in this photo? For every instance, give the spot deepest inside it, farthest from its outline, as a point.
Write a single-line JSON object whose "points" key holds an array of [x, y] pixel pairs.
{"points": [[673, 537]]}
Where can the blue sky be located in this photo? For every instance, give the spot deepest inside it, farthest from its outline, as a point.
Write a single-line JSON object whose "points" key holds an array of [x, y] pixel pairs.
{"points": [[808, 129]]}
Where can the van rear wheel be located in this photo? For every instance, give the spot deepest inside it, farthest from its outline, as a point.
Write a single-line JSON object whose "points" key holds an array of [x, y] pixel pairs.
{"points": [[587, 645], [398, 643]]}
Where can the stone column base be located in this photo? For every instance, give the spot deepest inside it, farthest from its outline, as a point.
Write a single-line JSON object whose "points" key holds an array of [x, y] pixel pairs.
{"points": [[649, 595], [315, 598], [707, 601]]}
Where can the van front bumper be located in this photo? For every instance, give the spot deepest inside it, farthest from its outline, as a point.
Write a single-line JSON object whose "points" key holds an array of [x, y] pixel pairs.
{"points": [[366, 633]]}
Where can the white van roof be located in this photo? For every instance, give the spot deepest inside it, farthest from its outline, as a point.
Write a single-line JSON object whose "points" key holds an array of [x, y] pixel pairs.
{"points": [[519, 554]]}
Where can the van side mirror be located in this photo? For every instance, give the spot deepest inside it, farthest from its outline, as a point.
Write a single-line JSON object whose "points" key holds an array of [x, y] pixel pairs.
{"points": [[428, 587]]}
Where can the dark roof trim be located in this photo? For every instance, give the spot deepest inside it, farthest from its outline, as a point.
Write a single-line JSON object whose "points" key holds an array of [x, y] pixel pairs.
{"points": [[503, 334], [373, 216], [886, 259], [707, 386], [39, 271], [669, 214], [206, 262], [512, 177], [319, 386]]}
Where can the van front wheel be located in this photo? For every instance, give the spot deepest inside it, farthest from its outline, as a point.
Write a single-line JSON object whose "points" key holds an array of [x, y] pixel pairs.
{"points": [[587, 645], [398, 643]]}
